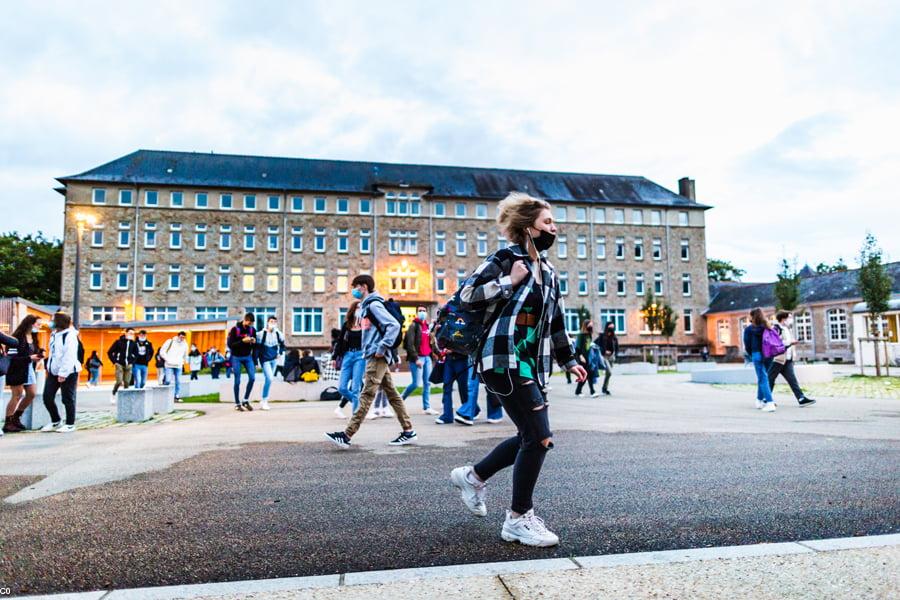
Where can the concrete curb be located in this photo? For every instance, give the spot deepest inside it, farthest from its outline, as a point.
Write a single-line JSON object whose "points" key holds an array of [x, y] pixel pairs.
{"points": [[483, 569]]}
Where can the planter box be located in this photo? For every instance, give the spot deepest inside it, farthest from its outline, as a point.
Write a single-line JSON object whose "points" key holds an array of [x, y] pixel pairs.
{"points": [[134, 406]]}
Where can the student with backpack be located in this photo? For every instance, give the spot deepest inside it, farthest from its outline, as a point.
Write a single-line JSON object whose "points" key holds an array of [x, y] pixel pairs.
{"points": [[174, 354], [783, 363], [608, 345], [241, 340], [518, 290], [347, 357], [142, 360], [753, 346], [380, 338], [583, 345], [269, 346], [417, 343], [63, 366]]}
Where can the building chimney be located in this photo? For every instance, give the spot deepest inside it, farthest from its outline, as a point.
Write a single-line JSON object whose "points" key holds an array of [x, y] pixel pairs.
{"points": [[686, 188]]}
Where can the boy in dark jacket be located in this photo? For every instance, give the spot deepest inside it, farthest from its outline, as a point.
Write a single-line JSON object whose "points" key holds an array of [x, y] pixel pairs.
{"points": [[609, 349], [144, 354], [241, 342], [122, 354]]}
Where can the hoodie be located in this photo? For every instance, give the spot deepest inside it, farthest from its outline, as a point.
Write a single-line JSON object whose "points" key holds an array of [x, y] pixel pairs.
{"points": [[64, 353], [373, 341]]}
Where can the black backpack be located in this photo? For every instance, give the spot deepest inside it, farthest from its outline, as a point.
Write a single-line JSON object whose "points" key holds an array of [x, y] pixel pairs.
{"points": [[330, 393], [80, 348], [394, 311]]}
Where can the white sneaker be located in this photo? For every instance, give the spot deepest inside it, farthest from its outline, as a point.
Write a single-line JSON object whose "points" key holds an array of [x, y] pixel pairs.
{"points": [[769, 407], [112, 399], [595, 395], [264, 405], [339, 413], [528, 529], [470, 490], [373, 414], [65, 429], [494, 421], [759, 404], [432, 412], [388, 413], [51, 427], [579, 395]]}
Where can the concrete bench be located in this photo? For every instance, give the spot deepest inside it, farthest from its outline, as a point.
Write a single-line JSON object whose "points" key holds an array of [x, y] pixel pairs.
{"points": [[162, 398], [815, 373], [134, 405]]}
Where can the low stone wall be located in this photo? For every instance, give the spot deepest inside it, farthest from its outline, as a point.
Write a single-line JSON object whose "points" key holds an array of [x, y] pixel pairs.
{"points": [[816, 373], [634, 368], [691, 367], [279, 391]]}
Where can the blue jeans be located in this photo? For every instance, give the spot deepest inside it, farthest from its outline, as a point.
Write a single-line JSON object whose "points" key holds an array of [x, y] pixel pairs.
{"points": [[95, 376], [426, 385], [761, 365], [455, 369], [173, 377], [471, 409], [139, 372], [353, 367], [250, 367], [268, 368]]}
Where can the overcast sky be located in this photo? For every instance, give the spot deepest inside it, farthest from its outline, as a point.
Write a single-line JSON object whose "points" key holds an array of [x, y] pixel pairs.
{"points": [[786, 113]]}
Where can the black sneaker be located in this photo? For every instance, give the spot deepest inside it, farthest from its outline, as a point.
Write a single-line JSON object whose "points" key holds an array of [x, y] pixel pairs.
{"points": [[177, 399], [238, 408], [403, 439], [339, 439], [804, 401], [606, 393], [463, 420], [247, 406]]}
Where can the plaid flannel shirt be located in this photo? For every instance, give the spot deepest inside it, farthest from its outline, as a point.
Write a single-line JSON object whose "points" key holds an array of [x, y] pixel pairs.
{"points": [[490, 288]]}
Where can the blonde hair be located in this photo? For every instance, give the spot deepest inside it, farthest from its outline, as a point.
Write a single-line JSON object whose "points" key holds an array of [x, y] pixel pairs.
{"points": [[516, 213]]}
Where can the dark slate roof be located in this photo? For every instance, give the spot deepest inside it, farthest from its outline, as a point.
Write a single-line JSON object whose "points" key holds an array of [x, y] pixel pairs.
{"points": [[819, 288], [156, 167]]}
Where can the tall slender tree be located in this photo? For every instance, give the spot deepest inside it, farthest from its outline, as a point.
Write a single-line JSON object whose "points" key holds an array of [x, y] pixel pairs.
{"points": [[874, 287], [787, 288]]}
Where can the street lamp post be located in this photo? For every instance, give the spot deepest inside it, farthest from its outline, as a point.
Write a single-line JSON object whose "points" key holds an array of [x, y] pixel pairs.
{"points": [[80, 220]]}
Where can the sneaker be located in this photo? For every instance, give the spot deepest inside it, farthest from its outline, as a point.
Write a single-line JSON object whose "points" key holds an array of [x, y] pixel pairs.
{"points": [[759, 404], [373, 413], [339, 439], [247, 406], [463, 420], [238, 408], [579, 395], [405, 437], [495, 421], [440, 421], [769, 407], [470, 490], [606, 393], [51, 427], [804, 401], [339, 413], [595, 395], [528, 529], [387, 413], [264, 405], [112, 399], [432, 412], [65, 429]]}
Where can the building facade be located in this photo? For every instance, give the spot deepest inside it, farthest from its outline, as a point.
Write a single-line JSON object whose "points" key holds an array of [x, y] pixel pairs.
{"points": [[181, 236]]}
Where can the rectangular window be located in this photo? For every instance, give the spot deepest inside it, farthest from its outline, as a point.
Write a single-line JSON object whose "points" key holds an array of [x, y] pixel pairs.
{"points": [[657, 249], [562, 246], [619, 216], [210, 313], [481, 244], [261, 314], [320, 205], [319, 239], [620, 284], [199, 278], [658, 284], [683, 218], [460, 209], [343, 284], [689, 320], [108, 313], [149, 277], [318, 280], [502, 242], [125, 197], [601, 247], [96, 280], [343, 206], [124, 237], [686, 284], [274, 203], [200, 237], [176, 199], [343, 241], [98, 196], [656, 217], [296, 239], [639, 248], [249, 202], [149, 239], [175, 236], [461, 243], [201, 200], [226, 202], [151, 198], [403, 242], [572, 320], [637, 216], [307, 321], [803, 326], [174, 277], [581, 246], [249, 238], [601, 284], [224, 278], [561, 213], [297, 204], [837, 324], [580, 214], [481, 211], [365, 206], [365, 241], [248, 280], [439, 209], [685, 250], [639, 284], [620, 248], [582, 283], [564, 283], [415, 206], [296, 279], [440, 281], [599, 215], [97, 238], [460, 277], [225, 237], [440, 243], [272, 243], [614, 315], [122, 276], [272, 279]]}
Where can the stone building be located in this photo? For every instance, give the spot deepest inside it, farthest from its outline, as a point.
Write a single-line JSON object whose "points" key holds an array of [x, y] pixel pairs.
{"points": [[202, 236], [823, 321]]}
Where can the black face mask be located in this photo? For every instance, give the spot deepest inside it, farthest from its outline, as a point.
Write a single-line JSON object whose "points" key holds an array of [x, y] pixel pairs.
{"points": [[543, 241]]}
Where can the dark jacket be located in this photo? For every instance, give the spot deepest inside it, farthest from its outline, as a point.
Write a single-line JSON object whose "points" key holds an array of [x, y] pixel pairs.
{"points": [[236, 337], [90, 364], [292, 367], [753, 339], [412, 341], [582, 345], [144, 352], [123, 351], [608, 343], [309, 363], [19, 358]]}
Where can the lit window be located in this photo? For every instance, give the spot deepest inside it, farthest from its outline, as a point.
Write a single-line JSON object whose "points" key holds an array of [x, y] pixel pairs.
{"points": [[272, 279], [342, 285], [296, 279], [248, 281], [319, 280]]}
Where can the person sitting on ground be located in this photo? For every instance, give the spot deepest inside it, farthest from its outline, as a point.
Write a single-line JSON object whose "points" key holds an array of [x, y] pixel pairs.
{"points": [[308, 364], [292, 366]]}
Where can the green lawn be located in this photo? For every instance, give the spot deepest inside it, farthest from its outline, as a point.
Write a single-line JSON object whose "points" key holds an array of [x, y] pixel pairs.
{"points": [[435, 389], [858, 386], [206, 398]]}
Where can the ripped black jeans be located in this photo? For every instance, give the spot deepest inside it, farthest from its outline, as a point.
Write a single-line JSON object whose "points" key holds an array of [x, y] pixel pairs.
{"points": [[525, 451]]}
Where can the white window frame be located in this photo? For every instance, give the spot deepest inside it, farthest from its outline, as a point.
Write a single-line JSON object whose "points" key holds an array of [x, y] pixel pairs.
{"points": [[98, 196]]}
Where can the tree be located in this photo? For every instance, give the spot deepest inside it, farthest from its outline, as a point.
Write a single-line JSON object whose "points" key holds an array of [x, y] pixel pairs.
{"points": [[874, 286], [787, 288], [823, 268], [722, 270], [30, 267], [583, 315]]}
